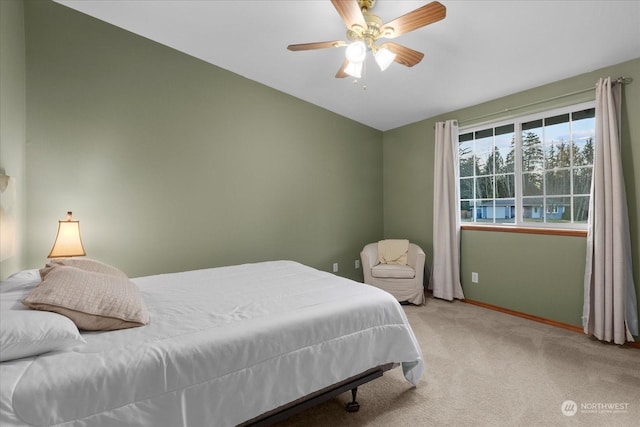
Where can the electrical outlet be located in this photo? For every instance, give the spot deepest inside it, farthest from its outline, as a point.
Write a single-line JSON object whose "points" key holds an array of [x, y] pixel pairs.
{"points": [[335, 267], [357, 264], [474, 277]]}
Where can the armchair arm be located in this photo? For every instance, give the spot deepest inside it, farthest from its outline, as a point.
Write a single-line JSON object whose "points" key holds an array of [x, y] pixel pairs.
{"points": [[369, 256], [416, 257]]}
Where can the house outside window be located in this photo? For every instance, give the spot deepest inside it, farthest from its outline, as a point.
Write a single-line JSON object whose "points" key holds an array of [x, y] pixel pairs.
{"points": [[529, 171]]}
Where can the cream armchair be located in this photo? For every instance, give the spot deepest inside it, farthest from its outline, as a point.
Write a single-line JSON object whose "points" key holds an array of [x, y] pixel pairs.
{"points": [[405, 282]]}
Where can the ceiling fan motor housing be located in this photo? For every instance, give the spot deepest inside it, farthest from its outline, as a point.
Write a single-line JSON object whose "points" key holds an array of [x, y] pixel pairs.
{"points": [[368, 35]]}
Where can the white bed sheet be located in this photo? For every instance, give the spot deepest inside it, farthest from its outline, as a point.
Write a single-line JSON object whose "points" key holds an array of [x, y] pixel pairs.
{"points": [[224, 345]]}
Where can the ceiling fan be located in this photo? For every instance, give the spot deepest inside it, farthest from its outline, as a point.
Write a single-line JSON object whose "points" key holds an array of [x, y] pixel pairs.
{"points": [[364, 29]]}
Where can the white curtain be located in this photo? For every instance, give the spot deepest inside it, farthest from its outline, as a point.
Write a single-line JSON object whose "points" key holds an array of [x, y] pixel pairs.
{"points": [[610, 307], [445, 273]]}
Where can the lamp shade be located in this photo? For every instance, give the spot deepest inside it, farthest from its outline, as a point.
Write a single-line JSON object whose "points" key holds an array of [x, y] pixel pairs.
{"points": [[384, 58], [354, 69], [68, 241], [356, 52]]}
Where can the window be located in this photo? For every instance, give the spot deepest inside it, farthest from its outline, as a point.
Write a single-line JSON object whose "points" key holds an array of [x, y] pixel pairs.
{"points": [[530, 171]]}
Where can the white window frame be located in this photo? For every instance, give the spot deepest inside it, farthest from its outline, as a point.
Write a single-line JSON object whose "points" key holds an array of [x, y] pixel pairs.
{"points": [[518, 172]]}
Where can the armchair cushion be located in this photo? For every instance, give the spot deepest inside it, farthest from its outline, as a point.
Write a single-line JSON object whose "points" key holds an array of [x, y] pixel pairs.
{"points": [[393, 271]]}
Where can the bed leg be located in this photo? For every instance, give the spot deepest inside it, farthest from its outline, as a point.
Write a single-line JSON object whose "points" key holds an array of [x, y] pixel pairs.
{"points": [[353, 406]]}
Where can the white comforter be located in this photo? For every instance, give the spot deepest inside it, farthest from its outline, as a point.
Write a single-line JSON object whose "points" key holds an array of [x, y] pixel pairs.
{"points": [[224, 345]]}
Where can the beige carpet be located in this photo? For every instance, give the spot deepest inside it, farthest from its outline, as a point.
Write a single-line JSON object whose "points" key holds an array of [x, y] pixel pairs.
{"points": [[485, 368]]}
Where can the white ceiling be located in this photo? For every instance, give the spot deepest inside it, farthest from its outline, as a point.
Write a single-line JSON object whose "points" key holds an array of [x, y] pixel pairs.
{"points": [[482, 50]]}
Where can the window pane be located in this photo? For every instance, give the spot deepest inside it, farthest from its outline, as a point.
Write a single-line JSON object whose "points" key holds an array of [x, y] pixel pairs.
{"points": [[558, 182], [531, 184], [498, 161], [558, 154], [503, 152], [505, 139], [583, 152], [533, 209], [504, 161], [535, 124], [589, 113], [532, 151], [505, 186], [484, 134], [505, 130], [583, 136], [484, 187], [465, 137], [466, 188], [465, 147], [466, 211], [467, 165], [484, 141], [582, 180], [557, 134], [484, 211], [484, 164], [506, 211], [559, 209], [549, 122], [581, 209]]}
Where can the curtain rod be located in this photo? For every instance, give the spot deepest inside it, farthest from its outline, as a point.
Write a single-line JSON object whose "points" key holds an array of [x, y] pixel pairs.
{"points": [[619, 80]]}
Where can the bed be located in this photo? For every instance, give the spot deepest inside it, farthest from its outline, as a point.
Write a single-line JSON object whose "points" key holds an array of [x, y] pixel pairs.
{"points": [[224, 346]]}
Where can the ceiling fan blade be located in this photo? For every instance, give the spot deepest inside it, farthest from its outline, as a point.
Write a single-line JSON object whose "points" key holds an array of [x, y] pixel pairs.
{"points": [[317, 45], [415, 19], [350, 13], [404, 55], [341, 73]]}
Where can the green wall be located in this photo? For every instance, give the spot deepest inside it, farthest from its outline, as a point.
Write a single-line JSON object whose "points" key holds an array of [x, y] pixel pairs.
{"points": [[13, 124], [539, 275], [171, 163]]}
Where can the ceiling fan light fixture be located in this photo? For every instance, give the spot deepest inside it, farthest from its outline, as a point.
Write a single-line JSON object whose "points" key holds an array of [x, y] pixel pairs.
{"points": [[354, 69], [384, 57], [356, 52], [365, 29]]}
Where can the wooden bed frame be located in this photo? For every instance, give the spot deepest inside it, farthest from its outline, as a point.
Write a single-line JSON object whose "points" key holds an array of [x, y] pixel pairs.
{"points": [[320, 396]]}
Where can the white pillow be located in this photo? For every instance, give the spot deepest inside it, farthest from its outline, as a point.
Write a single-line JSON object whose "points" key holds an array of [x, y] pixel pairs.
{"points": [[27, 333], [22, 280]]}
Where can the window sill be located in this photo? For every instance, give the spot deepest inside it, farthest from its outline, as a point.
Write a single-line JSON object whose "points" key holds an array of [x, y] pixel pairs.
{"points": [[527, 230]]}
